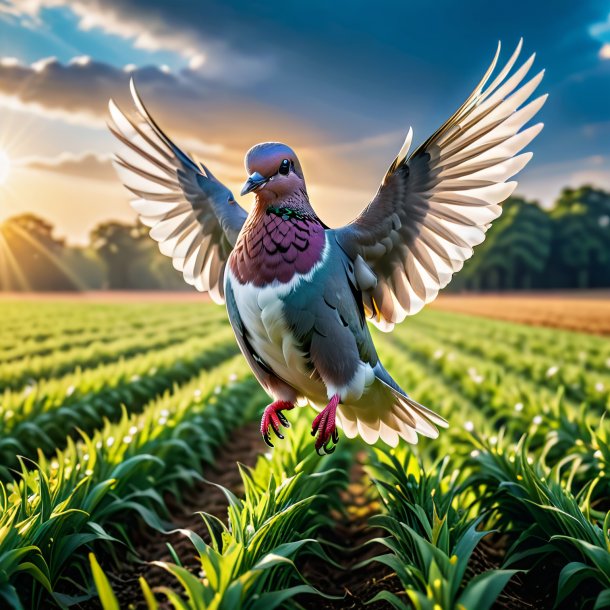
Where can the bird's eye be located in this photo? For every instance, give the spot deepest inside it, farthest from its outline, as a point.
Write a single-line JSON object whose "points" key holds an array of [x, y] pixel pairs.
{"points": [[284, 167]]}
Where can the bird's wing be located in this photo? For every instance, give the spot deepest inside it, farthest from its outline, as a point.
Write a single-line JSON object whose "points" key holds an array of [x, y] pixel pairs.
{"points": [[436, 204], [193, 217]]}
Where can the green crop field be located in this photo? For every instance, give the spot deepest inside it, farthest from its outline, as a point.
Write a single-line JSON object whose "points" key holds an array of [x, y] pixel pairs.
{"points": [[122, 425]]}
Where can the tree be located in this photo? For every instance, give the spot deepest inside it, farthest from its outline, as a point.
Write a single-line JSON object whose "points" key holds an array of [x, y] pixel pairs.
{"points": [[31, 257], [581, 239], [516, 250]]}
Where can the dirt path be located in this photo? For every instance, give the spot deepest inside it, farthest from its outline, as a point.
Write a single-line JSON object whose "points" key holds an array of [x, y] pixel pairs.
{"points": [[350, 532]]}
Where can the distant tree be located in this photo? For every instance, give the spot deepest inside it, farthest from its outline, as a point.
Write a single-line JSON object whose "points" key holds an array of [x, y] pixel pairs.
{"points": [[515, 252], [132, 260], [581, 239], [119, 246], [31, 257]]}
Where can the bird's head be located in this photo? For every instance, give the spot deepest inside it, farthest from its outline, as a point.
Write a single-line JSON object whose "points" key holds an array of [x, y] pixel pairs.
{"points": [[274, 173]]}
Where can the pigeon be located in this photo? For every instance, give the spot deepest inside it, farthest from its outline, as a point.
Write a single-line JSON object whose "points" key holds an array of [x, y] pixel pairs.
{"points": [[299, 294]]}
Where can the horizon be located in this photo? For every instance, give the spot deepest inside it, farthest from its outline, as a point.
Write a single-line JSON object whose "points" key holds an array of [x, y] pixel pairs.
{"points": [[340, 87]]}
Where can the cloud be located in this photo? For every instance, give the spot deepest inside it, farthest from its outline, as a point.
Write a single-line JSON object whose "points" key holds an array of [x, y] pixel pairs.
{"points": [[186, 104], [91, 166], [604, 52], [155, 26]]}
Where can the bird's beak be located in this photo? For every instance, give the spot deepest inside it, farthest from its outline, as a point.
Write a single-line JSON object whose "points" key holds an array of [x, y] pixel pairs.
{"points": [[253, 182]]}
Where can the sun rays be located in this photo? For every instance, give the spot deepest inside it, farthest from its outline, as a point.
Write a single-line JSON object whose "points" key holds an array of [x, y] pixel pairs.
{"points": [[5, 166]]}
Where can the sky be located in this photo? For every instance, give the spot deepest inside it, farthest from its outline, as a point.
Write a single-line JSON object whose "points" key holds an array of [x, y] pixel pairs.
{"points": [[340, 82]]}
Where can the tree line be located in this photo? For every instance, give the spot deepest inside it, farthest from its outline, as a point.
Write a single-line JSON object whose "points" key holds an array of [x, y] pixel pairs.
{"points": [[527, 248]]}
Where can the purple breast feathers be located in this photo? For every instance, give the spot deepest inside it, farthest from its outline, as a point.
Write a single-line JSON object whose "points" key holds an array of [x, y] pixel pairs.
{"points": [[276, 244]]}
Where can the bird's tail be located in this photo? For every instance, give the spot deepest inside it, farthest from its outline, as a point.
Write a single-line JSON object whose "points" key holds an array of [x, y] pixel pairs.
{"points": [[386, 413]]}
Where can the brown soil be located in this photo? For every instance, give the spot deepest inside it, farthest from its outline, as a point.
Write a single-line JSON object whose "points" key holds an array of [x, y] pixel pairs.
{"points": [[351, 531], [585, 312]]}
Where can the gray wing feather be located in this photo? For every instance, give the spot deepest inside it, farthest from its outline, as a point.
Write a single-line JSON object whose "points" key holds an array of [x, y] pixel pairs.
{"points": [[436, 204], [192, 215]]}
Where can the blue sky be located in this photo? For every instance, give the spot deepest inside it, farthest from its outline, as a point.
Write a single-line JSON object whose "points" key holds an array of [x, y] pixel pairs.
{"points": [[341, 81]]}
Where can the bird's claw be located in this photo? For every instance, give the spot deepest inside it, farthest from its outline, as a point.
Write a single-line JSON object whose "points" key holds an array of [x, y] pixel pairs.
{"points": [[325, 428], [273, 418]]}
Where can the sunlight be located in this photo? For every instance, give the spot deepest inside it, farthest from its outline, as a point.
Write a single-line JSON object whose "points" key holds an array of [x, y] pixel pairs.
{"points": [[5, 166]]}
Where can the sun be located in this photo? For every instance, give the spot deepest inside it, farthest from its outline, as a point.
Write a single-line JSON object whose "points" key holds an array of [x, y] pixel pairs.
{"points": [[5, 166]]}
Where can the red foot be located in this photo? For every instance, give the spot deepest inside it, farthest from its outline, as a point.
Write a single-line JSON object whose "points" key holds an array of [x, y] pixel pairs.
{"points": [[324, 426], [273, 418]]}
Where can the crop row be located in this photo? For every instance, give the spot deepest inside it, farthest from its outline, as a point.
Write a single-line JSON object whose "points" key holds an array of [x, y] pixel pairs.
{"points": [[589, 351], [24, 322], [13, 349], [249, 563], [16, 374], [511, 473], [99, 394], [62, 505]]}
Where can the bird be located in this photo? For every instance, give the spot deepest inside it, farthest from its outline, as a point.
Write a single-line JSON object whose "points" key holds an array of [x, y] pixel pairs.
{"points": [[301, 296]]}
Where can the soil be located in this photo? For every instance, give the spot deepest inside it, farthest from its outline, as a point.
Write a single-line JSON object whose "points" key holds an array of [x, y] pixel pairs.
{"points": [[355, 585], [587, 312]]}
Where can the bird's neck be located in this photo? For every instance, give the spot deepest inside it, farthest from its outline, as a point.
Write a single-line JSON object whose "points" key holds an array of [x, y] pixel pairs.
{"points": [[277, 242]]}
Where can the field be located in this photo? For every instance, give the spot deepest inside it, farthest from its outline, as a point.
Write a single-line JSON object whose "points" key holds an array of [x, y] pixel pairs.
{"points": [[585, 312], [133, 474]]}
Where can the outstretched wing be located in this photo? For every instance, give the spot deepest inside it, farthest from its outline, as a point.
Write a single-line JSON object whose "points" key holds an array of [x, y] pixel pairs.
{"points": [[194, 217], [436, 205]]}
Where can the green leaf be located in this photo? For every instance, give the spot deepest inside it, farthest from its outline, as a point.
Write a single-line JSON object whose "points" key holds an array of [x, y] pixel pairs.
{"points": [[104, 590], [391, 598], [483, 590]]}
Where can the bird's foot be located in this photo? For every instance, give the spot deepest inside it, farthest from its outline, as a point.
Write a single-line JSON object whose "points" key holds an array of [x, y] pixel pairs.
{"points": [[273, 418], [324, 426]]}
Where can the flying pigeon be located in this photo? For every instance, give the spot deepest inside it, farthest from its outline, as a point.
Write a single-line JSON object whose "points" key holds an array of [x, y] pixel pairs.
{"points": [[298, 293]]}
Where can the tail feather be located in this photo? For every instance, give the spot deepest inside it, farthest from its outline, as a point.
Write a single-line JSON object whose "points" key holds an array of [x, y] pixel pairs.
{"points": [[387, 413]]}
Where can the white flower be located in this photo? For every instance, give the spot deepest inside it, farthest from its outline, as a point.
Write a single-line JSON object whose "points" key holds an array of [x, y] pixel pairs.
{"points": [[519, 406], [438, 354], [233, 377], [218, 389], [110, 441], [135, 378], [468, 426], [597, 454], [493, 440], [133, 430], [552, 370], [162, 421], [599, 387], [530, 459], [474, 375], [475, 453], [197, 393], [127, 439], [70, 390], [537, 420], [164, 413]]}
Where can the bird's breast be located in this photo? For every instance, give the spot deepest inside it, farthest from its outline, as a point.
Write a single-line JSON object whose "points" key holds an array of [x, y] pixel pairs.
{"points": [[277, 245], [262, 313]]}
